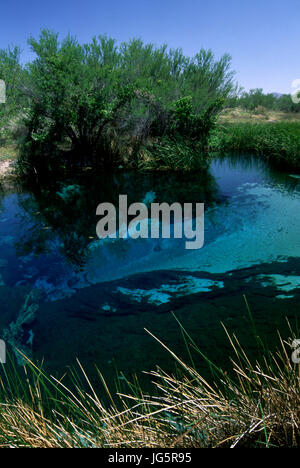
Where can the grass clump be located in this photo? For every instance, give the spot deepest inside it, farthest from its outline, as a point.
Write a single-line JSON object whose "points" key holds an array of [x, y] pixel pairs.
{"points": [[278, 142], [172, 154], [257, 405]]}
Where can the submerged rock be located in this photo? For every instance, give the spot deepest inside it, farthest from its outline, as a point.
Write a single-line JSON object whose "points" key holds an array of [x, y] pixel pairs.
{"points": [[14, 334], [69, 192], [164, 294], [284, 283]]}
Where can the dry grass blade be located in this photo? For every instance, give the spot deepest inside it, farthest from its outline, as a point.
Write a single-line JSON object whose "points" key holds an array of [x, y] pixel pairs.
{"points": [[258, 405]]}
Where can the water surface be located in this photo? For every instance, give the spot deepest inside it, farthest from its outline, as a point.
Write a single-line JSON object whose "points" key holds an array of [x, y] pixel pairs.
{"points": [[93, 300]]}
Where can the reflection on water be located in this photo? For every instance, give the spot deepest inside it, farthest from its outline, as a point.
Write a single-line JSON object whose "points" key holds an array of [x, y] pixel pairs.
{"points": [[67, 214], [95, 298]]}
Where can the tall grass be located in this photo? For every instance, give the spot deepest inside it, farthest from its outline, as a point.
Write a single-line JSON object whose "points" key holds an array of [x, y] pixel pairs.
{"points": [[258, 405], [172, 154], [278, 141]]}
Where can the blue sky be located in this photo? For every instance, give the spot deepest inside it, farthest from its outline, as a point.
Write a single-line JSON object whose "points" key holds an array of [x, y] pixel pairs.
{"points": [[263, 36]]}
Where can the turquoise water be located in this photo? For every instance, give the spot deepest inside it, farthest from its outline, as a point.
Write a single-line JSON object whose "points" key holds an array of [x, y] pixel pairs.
{"points": [[65, 294]]}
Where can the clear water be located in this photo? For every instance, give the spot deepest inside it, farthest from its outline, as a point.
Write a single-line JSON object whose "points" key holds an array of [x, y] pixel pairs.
{"points": [[93, 300]]}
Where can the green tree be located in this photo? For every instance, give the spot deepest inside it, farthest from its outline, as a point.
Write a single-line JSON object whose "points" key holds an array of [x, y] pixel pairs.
{"points": [[96, 102], [75, 94]]}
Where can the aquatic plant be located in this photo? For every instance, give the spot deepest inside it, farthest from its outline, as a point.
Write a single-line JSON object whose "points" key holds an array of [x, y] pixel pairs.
{"points": [[69, 192], [173, 154], [278, 142], [257, 405], [14, 334]]}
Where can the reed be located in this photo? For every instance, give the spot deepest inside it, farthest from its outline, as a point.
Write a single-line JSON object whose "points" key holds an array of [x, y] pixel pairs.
{"points": [[257, 405]]}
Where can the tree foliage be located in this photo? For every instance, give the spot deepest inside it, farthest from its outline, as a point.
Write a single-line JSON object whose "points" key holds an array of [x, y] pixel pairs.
{"points": [[92, 103], [12, 74]]}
